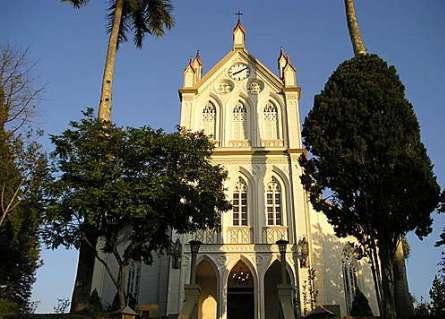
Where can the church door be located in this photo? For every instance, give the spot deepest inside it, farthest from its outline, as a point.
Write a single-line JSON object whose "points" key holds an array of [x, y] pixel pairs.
{"points": [[240, 293]]}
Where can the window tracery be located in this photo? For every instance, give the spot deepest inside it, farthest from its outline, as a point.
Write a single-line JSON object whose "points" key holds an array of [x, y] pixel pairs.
{"points": [[270, 114], [240, 122], [133, 281], [209, 119], [239, 203], [273, 203], [349, 266]]}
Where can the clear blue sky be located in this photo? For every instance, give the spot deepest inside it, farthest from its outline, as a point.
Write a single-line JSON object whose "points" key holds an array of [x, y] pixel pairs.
{"points": [[69, 47]]}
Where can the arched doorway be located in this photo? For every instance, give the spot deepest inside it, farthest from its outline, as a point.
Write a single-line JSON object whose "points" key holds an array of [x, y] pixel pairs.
{"points": [[240, 293], [272, 278], [208, 301]]}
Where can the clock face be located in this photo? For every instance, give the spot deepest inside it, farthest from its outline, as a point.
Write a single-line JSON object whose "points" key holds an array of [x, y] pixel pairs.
{"points": [[239, 71]]}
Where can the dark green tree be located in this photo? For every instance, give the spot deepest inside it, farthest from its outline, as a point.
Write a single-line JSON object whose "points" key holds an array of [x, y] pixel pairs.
{"points": [[441, 241], [421, 309], [437, 296], [19, 244], [360, 305], [369, 171], [131, 187], [23, 172]]}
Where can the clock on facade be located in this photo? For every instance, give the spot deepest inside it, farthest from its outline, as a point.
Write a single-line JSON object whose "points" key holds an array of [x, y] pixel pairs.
{"points": [[239, 71]]}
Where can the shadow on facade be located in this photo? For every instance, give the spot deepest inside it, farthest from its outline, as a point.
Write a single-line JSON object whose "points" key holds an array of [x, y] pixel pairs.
{"points": [[327, 250]]}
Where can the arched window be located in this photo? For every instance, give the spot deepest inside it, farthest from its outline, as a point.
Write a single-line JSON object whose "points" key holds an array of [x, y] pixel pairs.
{"points": [[270, 122], [273, 203], [134, 278], [349, 274], [209, 119], [240, 124], [239, 203]]}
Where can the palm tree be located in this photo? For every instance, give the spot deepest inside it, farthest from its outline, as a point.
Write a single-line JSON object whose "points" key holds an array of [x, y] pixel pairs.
{"points": [[137, 16], [354, 29]]}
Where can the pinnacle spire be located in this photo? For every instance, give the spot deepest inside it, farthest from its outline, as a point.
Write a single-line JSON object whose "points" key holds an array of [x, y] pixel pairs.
{"points": [[239, 33]]}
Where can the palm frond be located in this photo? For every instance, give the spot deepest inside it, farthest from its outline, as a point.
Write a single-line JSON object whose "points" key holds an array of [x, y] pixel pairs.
{"points": [[141, 17], [158, 16], [124, 26], [138, 25], [77, 3]]}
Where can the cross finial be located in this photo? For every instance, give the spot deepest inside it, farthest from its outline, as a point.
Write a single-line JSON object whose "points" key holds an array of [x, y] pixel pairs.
{"points": [[239, 14]]}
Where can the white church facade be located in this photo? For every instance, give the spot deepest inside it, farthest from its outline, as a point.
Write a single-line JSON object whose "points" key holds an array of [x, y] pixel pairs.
{"points": [[252, 115]]}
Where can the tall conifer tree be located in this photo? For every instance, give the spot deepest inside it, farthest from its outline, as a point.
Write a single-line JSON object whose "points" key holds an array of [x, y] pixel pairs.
{"points": [[369, 171]]}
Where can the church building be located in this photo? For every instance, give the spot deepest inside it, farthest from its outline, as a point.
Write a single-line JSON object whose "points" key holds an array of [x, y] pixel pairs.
{"points": [[252, 115]]}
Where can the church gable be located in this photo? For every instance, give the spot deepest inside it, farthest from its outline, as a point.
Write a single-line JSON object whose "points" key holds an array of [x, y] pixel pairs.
{"points": [[239, 102], [225, 71]]}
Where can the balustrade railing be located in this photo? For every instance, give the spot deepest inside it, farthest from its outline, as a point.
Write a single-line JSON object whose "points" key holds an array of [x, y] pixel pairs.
{"points": [[238, 235], [273, 233], [206, 236]]}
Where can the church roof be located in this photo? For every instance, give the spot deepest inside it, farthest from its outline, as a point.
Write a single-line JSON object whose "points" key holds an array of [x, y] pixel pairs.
{"points": [[240, 26]]}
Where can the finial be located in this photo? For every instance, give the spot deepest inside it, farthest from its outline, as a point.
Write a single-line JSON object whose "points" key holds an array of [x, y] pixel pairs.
{"points": [[197, 59], [239, 14]]}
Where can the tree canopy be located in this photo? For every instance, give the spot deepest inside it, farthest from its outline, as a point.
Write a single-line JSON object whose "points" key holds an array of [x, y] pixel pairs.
{"points": [[368, 171], [368, 158], [19, 243], [23, 173], [131, 187]]}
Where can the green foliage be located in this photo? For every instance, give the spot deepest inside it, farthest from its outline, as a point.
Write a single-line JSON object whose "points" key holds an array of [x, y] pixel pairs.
{"points": [[360, 305], [133, 186], [63, 305], [23, 169], [369, 172], [139, 17], [437, 296], [310, 292], [421, 309], [8, 307], [367, 155], [442, 210]]}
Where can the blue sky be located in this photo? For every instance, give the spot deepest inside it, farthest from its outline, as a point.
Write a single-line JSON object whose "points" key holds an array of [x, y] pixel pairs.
{"points": [[69, 48]]}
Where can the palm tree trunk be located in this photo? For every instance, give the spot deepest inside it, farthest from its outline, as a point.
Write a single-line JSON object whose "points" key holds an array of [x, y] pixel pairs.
{"points": [[354, 29], [105, 97]]}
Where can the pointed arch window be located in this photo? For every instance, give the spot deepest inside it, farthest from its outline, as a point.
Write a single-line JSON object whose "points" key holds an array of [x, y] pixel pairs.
{"points": [[349, 274], [270, 122], [133, 281], [239, 203], [209, 119], [273, 204], [240, 122]]}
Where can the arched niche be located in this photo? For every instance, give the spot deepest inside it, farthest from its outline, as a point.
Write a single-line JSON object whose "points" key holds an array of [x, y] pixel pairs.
{"points": [[207, 279], [272, 278]]}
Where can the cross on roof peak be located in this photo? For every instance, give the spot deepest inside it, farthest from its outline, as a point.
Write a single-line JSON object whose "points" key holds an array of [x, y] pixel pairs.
{"points": [[239, 14]]}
